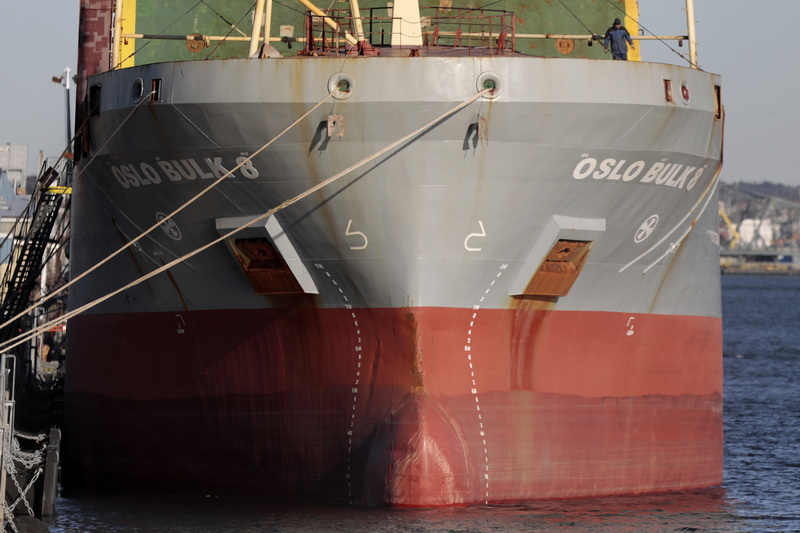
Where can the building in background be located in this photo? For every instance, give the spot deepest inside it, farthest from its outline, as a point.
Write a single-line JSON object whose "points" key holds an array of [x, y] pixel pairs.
{"points": [[13, 200], [14, 163], [759, 228]]}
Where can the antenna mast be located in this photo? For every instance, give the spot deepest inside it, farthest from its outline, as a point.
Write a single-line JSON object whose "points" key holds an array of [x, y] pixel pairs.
{"points": [[690, 27]]}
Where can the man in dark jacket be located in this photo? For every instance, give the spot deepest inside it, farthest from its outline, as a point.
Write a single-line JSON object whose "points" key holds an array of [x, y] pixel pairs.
{"points": [[617, 35]]}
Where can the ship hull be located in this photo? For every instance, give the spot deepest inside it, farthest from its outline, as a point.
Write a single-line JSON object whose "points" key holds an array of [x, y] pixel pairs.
{"points": [[573, 409], [414, 343]]}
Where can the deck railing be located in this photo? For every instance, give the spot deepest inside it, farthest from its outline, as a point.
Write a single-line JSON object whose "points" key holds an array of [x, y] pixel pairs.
{"points": [[488, 32]]}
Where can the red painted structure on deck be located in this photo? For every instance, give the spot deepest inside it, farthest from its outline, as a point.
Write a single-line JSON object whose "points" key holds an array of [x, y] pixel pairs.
{"points": [[411, 407]]}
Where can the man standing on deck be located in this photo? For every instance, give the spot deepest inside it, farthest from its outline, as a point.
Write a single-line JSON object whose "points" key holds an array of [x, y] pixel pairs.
{"points": [[617, 35]]}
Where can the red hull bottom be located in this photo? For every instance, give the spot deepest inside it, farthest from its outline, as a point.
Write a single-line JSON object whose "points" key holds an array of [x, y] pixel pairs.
{"points": [[410, 407]]}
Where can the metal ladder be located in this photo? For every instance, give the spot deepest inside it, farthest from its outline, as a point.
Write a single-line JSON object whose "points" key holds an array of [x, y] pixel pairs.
{"points": [[28, 256]]}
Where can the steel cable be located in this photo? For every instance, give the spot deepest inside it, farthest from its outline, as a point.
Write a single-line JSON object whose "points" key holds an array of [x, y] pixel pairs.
{"points": [[165, 219], [19, 339]]}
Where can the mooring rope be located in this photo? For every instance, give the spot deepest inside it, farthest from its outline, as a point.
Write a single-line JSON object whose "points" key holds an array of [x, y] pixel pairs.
{"points": [[19, 339], [98, 151], [83, 169], [165, 219]]}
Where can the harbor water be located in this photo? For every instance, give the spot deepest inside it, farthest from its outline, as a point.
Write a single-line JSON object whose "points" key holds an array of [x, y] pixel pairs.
{"points": [[761, 490]]}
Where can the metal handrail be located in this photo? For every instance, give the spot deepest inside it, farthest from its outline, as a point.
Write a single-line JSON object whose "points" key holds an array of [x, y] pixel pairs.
{"points": [[457, 28]]}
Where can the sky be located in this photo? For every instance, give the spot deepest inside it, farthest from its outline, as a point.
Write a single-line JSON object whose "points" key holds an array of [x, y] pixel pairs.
{"points": [[753, 50]]}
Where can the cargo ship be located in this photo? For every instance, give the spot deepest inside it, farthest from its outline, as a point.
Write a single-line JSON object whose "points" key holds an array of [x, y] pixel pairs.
{"points": [[391, 254]]}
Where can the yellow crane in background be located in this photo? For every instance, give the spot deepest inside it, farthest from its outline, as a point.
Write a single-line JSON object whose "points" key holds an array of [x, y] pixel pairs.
{"points": [[735, 237]]}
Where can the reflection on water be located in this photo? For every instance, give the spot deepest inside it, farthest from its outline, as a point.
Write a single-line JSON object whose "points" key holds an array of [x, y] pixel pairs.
{"points": [[707, 510]]}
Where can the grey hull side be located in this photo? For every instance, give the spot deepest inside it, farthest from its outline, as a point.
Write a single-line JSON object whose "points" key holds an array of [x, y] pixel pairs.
{"points": [[569, 149]]}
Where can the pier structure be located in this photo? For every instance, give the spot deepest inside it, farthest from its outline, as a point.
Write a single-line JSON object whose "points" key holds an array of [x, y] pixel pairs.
{"points": [[34, 232]]}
